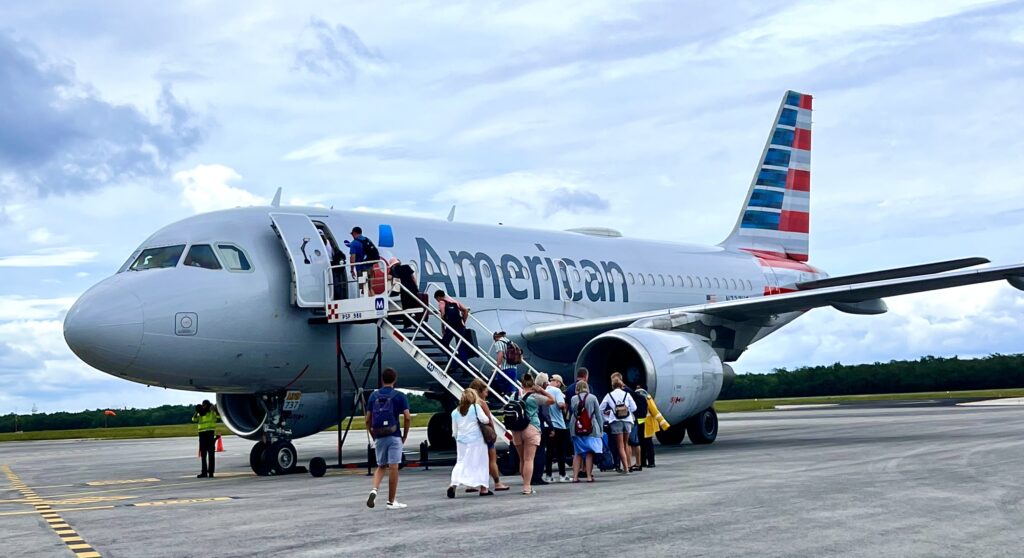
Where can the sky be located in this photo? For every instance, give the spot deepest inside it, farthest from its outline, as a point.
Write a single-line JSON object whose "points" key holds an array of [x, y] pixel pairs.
{"points": [[117, 118]]}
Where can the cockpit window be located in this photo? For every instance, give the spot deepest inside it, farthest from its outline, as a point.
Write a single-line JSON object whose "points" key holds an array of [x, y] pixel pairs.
{"points": [[233, 257], [154, 258], [201, 255]]}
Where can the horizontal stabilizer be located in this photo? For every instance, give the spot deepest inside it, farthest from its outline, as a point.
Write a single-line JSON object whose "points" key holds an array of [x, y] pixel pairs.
{"points": [[895, 273]]}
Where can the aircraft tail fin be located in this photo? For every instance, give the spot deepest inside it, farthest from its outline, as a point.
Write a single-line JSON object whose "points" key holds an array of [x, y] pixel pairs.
{"points": [[775, 217]]}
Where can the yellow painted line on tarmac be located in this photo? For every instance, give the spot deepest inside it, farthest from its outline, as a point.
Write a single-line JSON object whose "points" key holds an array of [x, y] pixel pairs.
{"points": [[123, 481], [182, 501], [230, 475], [53, 520], [33, 512]]}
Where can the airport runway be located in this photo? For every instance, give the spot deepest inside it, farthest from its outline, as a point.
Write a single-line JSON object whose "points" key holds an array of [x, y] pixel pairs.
{"points": [[897, 480]]}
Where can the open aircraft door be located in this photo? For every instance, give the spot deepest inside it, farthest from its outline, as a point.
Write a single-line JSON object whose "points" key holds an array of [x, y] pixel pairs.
{"points": [[308, 256]]}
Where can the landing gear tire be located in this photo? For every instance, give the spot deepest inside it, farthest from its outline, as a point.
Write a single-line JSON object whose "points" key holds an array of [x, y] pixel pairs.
{"points": [[317, 467], [703, 427], [673, 436], [280, 457], [439, 432], [256, 461]]}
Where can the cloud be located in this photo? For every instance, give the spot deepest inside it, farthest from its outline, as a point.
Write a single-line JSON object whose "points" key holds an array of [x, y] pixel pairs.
{"points": [[65, 258], [335, 52], [14, 307], [57, 135], [205, 188], [519, 197], [334, 149], [573, 201]]}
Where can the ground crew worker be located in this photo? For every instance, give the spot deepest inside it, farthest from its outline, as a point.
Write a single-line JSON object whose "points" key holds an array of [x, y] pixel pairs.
{"points": [[654, 423], [206, 415]]}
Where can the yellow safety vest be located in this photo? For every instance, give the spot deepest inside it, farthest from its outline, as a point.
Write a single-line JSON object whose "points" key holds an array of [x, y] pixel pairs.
{"points": [[207, 421]]}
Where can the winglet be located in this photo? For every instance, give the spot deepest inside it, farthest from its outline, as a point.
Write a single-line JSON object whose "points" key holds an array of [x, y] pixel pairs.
{"points": [[276, 202], [451, 214]]}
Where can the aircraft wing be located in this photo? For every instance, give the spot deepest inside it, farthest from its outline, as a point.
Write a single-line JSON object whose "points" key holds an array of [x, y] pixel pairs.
{"points": [[765, 306]]}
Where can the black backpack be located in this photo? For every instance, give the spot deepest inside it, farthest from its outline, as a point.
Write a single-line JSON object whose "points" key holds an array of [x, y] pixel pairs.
{"points": [[452, 313], [370, 251], [514, 415]]}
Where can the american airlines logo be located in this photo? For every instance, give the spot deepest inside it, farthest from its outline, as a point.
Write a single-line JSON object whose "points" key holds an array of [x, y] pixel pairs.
{"points": [[520, 277]]}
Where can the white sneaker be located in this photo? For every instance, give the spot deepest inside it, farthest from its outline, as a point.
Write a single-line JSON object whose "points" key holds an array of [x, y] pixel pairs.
{"points": [[566, 478], [396, 505], [371, 498], [547, 478]]}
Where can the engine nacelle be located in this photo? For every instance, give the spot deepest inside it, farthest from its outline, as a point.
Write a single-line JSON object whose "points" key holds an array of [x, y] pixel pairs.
{"points": [[244, 414], [681, 370]]}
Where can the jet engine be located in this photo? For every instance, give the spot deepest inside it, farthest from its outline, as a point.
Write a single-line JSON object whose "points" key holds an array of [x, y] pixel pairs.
{"points": [[246, 414], [681, 370]]}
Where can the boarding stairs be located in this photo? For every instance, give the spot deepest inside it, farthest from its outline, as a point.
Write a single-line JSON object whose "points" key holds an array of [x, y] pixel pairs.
{"points": [[375, 298]]}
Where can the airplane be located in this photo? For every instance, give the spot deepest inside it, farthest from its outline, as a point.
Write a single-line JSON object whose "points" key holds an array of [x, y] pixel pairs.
{"points": [[232, 302]]}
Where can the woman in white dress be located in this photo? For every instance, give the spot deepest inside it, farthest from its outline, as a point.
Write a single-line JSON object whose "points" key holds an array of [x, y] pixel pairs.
{"points": [[472, 465]]}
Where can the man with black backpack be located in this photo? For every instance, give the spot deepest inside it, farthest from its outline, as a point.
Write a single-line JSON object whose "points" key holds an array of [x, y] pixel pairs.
{"points": [[383, 409], [361, 249], [454, 316]]}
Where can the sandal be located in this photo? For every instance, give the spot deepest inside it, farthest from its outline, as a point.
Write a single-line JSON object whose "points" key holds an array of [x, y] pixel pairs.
{"points": [[501, 487], [591, 479], [488, 493], [451, 491], [469, 490], [530, 493]]}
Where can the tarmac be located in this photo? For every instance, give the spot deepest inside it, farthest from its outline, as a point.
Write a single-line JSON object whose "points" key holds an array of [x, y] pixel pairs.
{"points": [[901, 479]]}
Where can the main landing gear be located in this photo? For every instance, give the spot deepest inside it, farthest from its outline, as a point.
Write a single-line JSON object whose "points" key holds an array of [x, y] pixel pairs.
{"points": [[702, 429], [274, 454], [439, 428]]}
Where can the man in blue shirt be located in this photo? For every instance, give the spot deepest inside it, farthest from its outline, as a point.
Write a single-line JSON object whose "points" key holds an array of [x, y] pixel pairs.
{"points": [[383, 409]]}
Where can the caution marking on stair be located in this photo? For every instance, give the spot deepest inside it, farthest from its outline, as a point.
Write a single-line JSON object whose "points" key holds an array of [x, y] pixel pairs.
{"points": [[123, 481], [182, 501]]}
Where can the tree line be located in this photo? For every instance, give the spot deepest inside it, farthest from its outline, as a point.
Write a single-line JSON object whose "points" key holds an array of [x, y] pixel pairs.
{"points": [[157, 416], [925, 374]]}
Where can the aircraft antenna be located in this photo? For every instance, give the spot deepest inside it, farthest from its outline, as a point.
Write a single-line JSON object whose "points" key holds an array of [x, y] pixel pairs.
{"points": [[451, 214], [276, 202]]}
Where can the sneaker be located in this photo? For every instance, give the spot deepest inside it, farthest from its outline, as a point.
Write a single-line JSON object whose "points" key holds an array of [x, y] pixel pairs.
{"points": [[541, 482], [565, 478], [396, 505], [547, 478], [371, 498]]}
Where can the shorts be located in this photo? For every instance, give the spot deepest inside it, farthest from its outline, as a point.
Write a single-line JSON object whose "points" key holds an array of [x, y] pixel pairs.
{"points": [[389, 450], [528, 437], [634, 436], [620, 427], [583, 445]]}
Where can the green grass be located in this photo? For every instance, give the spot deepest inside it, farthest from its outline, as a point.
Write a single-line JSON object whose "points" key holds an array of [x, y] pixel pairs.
{"points": [[739, 405], [168, 431], [421, 419]]}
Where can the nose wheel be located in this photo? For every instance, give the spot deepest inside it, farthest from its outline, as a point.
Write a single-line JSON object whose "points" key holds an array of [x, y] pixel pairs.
{"points": [[276, 458]]}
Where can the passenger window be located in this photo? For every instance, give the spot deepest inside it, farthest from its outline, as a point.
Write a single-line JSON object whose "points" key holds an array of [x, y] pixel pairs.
{"points": [[201, 255], [544, 274], [680, 278], [155, 258], [428, 267], [650, 278], [485, 270], [632, 279], [732, 284], [576, 275], [412, 265], [641, 276], [717, 285], [444, 268], [661, 279], [234, 258]]}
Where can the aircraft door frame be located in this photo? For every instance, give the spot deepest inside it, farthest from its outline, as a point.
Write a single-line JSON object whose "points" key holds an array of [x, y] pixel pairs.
{"points": [[307, 256]]}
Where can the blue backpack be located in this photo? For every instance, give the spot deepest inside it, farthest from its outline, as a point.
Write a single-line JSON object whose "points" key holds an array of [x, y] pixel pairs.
{"points": [[382, 416]]}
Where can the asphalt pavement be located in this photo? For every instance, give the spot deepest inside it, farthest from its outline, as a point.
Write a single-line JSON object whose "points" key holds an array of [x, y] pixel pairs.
{"points": [[892, 480]]}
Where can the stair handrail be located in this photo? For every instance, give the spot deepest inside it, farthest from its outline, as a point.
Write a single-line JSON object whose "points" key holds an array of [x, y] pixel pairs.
{"points": [[436, 338], [490, 332]]}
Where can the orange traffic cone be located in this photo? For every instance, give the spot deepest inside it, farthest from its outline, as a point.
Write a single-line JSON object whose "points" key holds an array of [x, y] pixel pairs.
{"points": [[220, 444]]}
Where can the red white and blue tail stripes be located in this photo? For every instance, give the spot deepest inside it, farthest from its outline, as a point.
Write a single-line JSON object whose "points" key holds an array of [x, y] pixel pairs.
{"points": [[775, 218]]}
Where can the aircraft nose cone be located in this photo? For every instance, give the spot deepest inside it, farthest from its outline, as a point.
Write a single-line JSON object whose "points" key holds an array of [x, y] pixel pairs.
{"points": [[104, 328]]}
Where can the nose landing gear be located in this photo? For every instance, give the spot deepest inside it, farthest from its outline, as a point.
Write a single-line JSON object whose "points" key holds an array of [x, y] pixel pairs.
{"points": [[275, 454]]}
